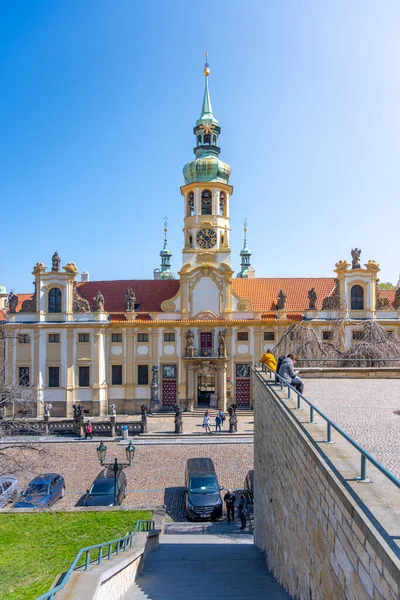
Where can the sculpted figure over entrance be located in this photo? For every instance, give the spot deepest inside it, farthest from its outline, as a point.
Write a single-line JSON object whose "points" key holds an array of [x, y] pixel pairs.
{"points": [[355, 255], [190, 344], [221, 344]]}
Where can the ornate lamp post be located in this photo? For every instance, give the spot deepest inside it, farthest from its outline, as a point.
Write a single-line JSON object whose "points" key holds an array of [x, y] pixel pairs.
{"points": [[116, 467]]}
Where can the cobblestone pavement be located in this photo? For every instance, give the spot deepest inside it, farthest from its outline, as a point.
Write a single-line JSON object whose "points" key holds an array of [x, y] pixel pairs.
{"points": [[364, 409], [155, 477]]}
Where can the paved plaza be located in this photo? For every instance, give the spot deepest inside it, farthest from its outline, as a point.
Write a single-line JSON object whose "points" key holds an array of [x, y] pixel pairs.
{"points": [[157, 474], [364, 409]]}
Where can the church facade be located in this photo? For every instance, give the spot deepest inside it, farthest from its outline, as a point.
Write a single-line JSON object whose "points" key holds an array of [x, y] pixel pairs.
{"points": [[190, 340]]}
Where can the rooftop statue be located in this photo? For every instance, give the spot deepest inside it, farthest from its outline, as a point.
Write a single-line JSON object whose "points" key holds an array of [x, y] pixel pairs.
{"points": [[12, 301], [312, 297], [355, 255], [130, 299], [282, 297], [55, 262], [99, 302]]}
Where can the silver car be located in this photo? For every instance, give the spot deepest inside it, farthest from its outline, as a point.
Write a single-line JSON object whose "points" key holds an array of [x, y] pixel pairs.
{"points": [[8, 489]]}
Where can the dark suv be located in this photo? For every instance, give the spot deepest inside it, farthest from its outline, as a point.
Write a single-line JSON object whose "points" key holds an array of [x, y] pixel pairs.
{"points": [[102, 491], [203, 498]]}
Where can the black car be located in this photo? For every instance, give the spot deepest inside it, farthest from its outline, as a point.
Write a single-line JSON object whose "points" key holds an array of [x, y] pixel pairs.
{"points": [[102, 491], [203, 493]]}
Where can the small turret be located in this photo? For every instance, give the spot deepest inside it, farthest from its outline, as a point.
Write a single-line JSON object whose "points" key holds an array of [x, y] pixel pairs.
{"points": [[247, 270], [166, 256]]}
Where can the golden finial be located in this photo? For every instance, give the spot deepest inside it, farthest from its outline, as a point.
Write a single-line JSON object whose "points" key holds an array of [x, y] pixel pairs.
{"points": [[206, 66]]}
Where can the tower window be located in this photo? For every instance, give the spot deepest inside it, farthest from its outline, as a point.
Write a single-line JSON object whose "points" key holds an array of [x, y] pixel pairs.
{"points": [[206, 203], [190, 204], [207, 138], [214, 140], [55, 300], [357, 298], [222, 204], [199, 140]]}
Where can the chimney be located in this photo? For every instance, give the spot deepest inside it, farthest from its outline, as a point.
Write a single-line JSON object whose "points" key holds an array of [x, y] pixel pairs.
{"points": [[85, 276]]}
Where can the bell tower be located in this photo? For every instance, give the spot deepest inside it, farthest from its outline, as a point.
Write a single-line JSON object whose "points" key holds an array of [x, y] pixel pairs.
{"points": [[206, 193]]}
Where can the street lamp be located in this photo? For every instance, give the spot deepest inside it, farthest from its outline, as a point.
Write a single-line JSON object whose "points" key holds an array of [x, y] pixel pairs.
{"points": [[115, 467]]}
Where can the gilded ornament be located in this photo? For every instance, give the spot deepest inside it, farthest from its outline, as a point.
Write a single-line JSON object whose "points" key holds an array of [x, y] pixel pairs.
{"points": [[71, 268], [342, 265]]}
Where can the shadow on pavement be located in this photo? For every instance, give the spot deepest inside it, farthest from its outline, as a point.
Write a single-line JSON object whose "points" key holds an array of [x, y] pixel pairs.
{"points": [[174, 500]]}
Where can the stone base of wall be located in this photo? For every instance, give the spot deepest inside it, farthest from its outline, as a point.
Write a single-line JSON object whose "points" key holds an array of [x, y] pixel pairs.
{"points": [[318, 542]]}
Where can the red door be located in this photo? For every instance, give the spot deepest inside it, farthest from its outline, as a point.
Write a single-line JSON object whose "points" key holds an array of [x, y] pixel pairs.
{"points": [[243, 385], [206, 343], [168, 373]]}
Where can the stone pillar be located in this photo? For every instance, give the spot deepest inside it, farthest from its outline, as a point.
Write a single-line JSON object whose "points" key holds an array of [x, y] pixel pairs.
{"points": [[190, 376], [70, 383], [99, 399], [221, 384], [129, 368]]}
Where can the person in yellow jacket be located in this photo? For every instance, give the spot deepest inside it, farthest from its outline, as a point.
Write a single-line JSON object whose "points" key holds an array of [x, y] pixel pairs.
{"points": [[269, 359]]}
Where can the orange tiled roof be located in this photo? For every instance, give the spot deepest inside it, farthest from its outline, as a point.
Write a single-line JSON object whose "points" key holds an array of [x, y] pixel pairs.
{"points": [[263, 292], [390, 294], [21, 300], [2, 315], [150, 293]]}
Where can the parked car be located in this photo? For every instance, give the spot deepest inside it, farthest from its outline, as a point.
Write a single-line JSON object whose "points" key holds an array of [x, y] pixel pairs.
{"points": [[249, 485], [102, 491], [42, 491], [203, 493], [8, 489]]}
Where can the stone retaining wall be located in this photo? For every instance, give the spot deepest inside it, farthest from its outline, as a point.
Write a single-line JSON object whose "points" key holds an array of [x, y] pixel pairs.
{"points": [[350, 372], [318, 542]]}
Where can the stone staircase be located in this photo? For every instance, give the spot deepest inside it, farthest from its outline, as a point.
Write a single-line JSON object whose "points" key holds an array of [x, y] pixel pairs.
{"points": [[205, 567]]}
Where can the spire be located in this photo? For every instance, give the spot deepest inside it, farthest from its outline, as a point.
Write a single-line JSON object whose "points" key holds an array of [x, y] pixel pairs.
{"points": [[206, 109], [245, 254], [166, 256]]}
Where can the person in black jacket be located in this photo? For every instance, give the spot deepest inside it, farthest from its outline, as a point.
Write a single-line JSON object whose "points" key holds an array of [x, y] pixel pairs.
{"points": [[230, 500], [243, 511]]}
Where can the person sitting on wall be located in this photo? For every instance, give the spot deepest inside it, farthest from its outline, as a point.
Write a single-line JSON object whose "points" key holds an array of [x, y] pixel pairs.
{"points": [[289, 374], [269, 359]]}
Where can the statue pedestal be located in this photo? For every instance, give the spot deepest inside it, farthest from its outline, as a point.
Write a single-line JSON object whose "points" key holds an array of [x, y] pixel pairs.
{"points": [[130, 315]]}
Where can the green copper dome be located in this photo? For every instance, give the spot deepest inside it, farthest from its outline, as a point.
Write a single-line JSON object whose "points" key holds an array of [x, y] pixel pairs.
{"points": [[207, 168]]}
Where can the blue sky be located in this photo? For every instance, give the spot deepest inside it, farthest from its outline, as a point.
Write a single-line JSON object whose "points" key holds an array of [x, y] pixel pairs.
{"points": [[97, 104]]}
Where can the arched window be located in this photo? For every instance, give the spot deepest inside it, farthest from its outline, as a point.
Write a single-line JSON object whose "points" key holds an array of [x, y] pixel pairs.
{"points": [[357, 298], [199, 140], [190, 204], [55, 300], [206, 205], [222, 204], [207, 139], [214, 140]]}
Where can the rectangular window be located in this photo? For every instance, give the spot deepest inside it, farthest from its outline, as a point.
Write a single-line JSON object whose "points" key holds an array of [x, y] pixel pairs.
{"points": [[243, 336], [269, 336], [143, 374], [24, 338], [54, 338], [116, 374], [83, 337], [24, 376], [327, 336], [116, 337], [358, 335], [54, 377], [169, 337], [84, 376], [142, 337]]}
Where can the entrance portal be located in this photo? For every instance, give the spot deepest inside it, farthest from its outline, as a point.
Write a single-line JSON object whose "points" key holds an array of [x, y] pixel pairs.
{"points": [[206, 389]]}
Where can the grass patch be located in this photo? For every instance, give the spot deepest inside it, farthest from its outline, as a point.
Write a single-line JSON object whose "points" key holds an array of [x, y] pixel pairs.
{"points": [[35, 548]]}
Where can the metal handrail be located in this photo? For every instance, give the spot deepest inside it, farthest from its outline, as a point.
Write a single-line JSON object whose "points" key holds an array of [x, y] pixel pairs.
{"points": [[121, 545], [365, 455]]}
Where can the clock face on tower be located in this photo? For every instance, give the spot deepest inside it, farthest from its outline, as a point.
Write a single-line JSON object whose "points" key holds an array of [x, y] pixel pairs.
{"points": [[206, 237]]}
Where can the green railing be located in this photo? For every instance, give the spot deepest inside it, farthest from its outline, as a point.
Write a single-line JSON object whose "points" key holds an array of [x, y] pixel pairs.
{"points": [[95, 555], [365, 455]]}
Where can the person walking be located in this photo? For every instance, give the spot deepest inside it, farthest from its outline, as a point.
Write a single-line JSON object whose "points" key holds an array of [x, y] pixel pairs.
{"points": [[230, 500], [88, 430], [242, 511], [206, 422], [218, 422], [222, 416]]}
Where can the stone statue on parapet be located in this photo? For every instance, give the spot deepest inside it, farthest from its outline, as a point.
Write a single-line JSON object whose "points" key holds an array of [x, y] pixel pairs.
{"points": [[55, 262], [397, 299], [312, 297], [355, 255], [47, 409], [281, 300], [221, 344], [99, 301], [12, 302], [189, 344], [113, 410], [130, 299]]}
